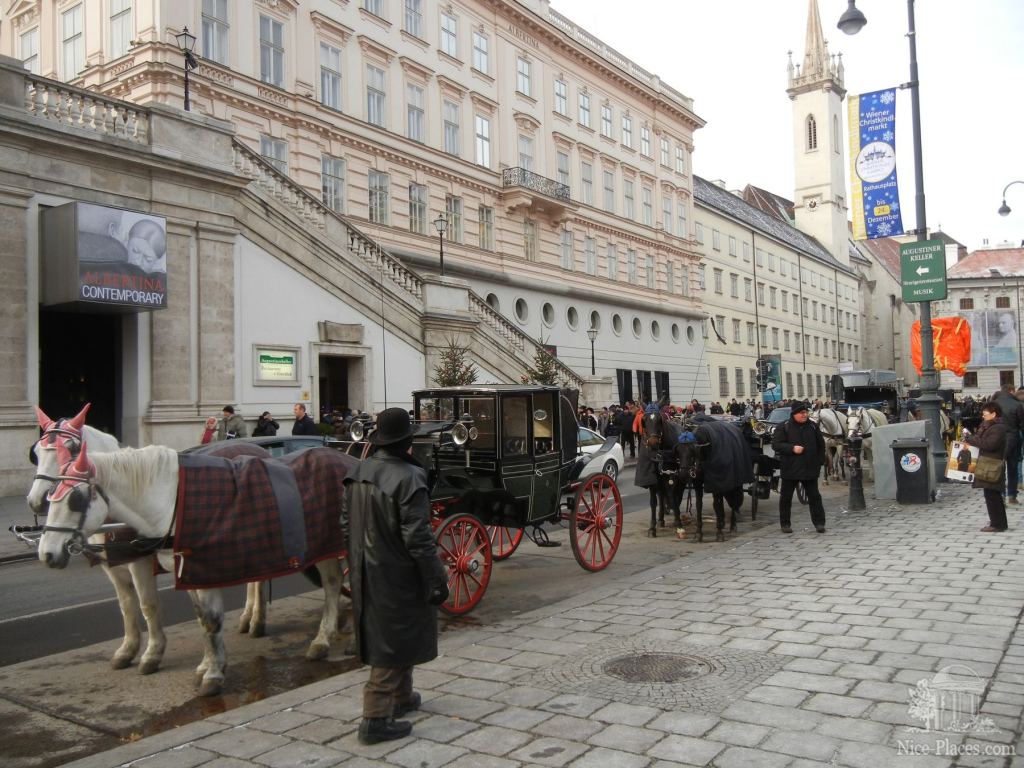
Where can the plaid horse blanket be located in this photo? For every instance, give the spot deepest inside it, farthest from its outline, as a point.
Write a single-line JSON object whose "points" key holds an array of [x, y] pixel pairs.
{"points": [[245, 517]]}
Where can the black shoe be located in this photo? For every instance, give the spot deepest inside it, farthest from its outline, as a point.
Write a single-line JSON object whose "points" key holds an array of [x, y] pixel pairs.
{"points": [[819, 528], [787, 529], [410, 706], [374, 730]]}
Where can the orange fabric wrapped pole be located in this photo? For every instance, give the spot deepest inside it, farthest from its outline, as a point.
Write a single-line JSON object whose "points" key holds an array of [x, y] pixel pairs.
{"points": [[951, 338]]}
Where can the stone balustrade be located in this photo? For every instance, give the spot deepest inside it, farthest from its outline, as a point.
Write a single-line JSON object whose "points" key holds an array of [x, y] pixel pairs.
{"points": [[84, 110]]}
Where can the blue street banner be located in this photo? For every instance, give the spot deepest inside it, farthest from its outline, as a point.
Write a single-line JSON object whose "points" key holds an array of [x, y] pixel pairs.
{"points": [[874, 193]]}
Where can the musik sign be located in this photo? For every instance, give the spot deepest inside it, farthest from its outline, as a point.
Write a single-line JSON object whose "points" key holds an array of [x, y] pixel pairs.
{"points": [[110, 258]]}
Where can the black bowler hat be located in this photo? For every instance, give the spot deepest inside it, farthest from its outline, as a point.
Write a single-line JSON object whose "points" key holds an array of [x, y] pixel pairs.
{"points": [[797, 408], [393, 426]]}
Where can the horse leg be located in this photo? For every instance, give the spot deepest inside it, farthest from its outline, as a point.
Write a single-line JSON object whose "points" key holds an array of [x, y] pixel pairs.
{"points": [[128, 602], [735, 501], [149, 601], [254, 615], [653, 530], [330, 577], [209, 608]]}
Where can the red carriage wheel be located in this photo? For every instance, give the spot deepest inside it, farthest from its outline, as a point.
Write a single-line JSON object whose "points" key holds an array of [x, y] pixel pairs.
{"points": [[504, 541], [466, 552], [595, 523]]}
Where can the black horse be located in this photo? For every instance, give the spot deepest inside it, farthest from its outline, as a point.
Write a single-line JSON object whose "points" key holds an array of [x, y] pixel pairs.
{"points": [[658, 468], [720, 456]]}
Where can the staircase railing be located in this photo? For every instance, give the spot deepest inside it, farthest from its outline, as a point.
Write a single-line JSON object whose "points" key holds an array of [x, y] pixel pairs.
{"points": [[84, 110]]}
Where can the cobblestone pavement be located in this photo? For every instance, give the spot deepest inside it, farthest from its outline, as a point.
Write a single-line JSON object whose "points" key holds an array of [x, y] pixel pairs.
{"points": [[772, 650]]}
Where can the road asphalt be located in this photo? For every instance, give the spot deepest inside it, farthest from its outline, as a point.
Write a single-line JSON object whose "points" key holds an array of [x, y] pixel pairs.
{"points": [[893, 639]]}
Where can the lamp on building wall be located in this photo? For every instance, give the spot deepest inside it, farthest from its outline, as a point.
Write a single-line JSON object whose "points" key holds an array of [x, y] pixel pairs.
{"points": [[994, 271], [851, 22], [187, 43], [592, 335], [441, 223], [1004, 209]]}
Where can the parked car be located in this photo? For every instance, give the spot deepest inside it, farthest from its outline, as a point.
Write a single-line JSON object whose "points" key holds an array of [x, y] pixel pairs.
{"points": [[605, 452]]}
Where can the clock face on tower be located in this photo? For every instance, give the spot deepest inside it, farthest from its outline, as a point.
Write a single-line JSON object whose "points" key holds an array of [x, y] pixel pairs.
{"points": [[812, 204]]}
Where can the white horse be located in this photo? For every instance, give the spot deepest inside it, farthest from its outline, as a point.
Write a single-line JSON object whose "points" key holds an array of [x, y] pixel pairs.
{"points": [[859, 422], [139, 487], [832, 427]]}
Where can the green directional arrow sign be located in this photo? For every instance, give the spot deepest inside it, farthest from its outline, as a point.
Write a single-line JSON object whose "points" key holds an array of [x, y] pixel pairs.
{"points": [[923, 270]]}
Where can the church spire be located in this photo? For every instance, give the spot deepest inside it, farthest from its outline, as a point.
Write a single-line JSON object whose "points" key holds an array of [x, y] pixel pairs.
{"points": [[819, 67]]}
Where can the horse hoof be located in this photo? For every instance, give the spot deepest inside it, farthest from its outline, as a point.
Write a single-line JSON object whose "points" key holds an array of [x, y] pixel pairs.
{"points": [[652, 533], [317, 652], [149, 667], [719, 536], [258, 629], [120, 662], [243, 626], [661, 522], [211, 687], [700, 538], [350, 647], [732, 529]]}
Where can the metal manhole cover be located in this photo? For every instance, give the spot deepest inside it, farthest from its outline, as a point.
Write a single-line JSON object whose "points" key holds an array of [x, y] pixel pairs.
{"points": [[656, 668]]}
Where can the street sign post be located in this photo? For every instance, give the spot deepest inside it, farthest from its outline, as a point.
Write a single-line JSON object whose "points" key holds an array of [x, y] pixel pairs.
{"points": [[923, 270]]}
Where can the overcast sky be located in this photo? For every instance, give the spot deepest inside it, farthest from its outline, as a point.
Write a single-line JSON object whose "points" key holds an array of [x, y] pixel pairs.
{"points": [[729, 56]]}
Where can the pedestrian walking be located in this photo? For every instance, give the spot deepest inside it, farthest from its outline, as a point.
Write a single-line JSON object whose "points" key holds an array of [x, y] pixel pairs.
{"points": [[800, 449], [625, 425], [1012, 418], [990, 440], [397, 577], [304, 425], [232, 425]]}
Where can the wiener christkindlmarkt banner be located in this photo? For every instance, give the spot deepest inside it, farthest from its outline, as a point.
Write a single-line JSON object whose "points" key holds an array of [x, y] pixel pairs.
{"points": [[951, 342], [874, 193]]}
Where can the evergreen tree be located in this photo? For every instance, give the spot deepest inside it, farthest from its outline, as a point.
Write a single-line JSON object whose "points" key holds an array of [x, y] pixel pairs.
{"points": [[455, 370], [545, 369]]}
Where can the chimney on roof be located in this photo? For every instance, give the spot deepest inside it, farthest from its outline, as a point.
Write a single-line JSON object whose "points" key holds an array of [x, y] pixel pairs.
{"points": [[720, 183]]}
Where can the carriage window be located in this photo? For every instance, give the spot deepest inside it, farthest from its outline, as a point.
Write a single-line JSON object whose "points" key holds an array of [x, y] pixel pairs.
{"points": [[543, 419], [513, 425], [435, 409], [481, 411]]}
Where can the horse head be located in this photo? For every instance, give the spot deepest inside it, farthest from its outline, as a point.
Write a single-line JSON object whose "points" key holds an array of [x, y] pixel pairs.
{"points": [[76, 511], [854, 421], [653, 428], [688, 451], [60, 443]]}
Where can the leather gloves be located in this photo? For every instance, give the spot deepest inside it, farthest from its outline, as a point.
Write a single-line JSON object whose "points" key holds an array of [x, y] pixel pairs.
{"points": [[438, 594]]}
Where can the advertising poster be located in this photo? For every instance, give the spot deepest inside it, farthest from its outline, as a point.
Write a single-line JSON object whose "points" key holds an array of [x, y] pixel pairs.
{"points": [[874, 193], [962, 460], [994, 337]]}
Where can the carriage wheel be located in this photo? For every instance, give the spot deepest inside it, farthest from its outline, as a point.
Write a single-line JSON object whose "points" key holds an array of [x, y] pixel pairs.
{"points": [[504, 541], [595, 524], [466, 552]]}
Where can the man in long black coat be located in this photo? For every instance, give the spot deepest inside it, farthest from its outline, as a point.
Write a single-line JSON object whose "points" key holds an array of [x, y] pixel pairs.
{"points": [[397, 577], [800, 450]]}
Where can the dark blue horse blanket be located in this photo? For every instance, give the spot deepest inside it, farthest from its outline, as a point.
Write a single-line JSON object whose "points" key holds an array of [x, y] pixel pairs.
{"points": [[726, 463]]}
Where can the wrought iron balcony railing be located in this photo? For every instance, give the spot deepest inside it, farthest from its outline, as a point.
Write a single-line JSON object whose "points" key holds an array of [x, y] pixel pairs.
{"points": [[520, 177]]}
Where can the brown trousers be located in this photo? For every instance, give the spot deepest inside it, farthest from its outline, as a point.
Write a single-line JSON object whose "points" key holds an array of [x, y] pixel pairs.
{"points": [[386, 687]]}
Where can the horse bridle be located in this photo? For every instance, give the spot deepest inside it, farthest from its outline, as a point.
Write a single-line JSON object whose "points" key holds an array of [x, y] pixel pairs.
{"points": [[77, 544], [72, 442]]}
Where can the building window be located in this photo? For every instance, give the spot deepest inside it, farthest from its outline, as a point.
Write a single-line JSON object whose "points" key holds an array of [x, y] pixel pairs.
{"points": [[418, 209], [451, 128], [964, 304], [332, 181], [666, 213], [716, 239], [1002, 302], [971, 379], [73, 41], [772, 297], [485, 227], [584, 110], [681, 211], [376, 96], [526, 153], [746, 252], [684, 277], [379, 197], [330, 76], [645, 141], [785, 341], [734, 285], [628, 201], [480, 53], [271, 51], [647, 205], [120, 27], [562, 168], [414, 118], [561, 98], [275, 152], [736, 324], [630, 266], [699, 232], [783, 267], [606, 121], [453, 212], [775, 338], [670, 276], [627, 131], [732, 245], [796, 341], [723, 381], [805, 303], [701, 271], [523, 76], [718, 280], [649, 272], [414, 18], [665, 150], [612, 259], [748, 286], [29, 50], [609, 191], [586, 182], [812, 133], [483, 141], [567, 248], [760, 294], [590, 255], [681, 168], [750, 334], [215, 30], [376, 7], [529, 240], [740, 392], [449, 35]]}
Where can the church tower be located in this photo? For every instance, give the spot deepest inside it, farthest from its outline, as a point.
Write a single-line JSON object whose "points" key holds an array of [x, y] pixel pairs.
{"points": [[816, 90]]}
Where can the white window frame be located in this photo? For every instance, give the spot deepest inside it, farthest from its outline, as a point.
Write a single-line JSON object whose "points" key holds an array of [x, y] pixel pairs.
{"points": [[562, 167], [378, 197], [666, 213], [453, 212], [586, 182], [215, 31], [271, 50], [647, 206], [275, 152], [449, 33], [609, 191], [629, 199], [666, 150], [525, 152], [681, 159], [627, 131], [332, 182], [561, 91], [28, 49], [418, 202], [567, 244], [485, 227], [376, 96], [452, 141], [645, 141], [650, 272], [413, 23], [612, 261], [524, 72], [631, 266], [606, 121], [482, 132], [121, 29], [330, 76], [584, 109], [415, 113], [590, 255], [72, 28], [481, 53]]}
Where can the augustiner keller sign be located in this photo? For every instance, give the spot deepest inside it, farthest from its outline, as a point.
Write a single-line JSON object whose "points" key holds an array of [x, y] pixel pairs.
{"points": [[103, 259]]}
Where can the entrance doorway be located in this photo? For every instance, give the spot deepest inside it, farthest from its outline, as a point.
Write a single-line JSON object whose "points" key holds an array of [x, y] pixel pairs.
{"points": [[79, 363], [335, 394]]}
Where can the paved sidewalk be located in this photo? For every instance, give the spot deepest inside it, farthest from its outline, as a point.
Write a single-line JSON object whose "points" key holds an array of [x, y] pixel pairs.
{"points": [[786, 650], [14, 511]]}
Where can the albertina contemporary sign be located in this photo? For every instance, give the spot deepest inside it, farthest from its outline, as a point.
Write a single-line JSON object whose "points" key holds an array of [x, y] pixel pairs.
{"points": [[923, 270]]}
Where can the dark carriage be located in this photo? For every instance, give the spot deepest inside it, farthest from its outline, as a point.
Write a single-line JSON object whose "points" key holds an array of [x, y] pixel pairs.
{"points": [[503, 463]]}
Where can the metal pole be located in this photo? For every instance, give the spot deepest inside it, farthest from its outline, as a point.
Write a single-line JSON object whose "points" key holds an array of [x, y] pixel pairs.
{"points": [[187, 107], [593, 371], [440, 237], [929, 402], [1020, 359]]}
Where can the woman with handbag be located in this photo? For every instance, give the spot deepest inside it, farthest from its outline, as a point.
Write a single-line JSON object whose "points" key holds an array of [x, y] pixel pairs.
{"points": [[989, 472]]}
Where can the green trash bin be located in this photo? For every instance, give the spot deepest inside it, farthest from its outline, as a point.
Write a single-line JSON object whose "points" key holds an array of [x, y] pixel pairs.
{"points": [[913, 471]]}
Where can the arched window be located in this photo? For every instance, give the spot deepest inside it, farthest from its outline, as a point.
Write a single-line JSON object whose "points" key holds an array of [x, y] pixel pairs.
{"points": [[812, 133]]}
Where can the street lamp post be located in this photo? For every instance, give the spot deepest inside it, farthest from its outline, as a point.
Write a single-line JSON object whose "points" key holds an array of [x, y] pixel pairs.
{"points": [[1004, 209], [441, 223], [592, 335], [1020, 348], [851, 22], [187, 43]]}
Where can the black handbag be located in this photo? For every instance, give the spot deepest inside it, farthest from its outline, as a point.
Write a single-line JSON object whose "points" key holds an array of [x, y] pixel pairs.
{"points": [[989, 470]]}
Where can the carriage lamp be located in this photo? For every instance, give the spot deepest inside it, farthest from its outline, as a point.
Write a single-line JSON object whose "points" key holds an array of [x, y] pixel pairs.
{"points": [[592, 335], [441, 224], [187, 44]]}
